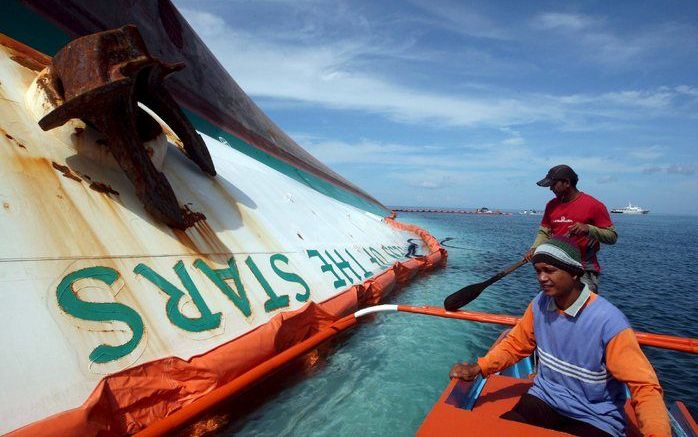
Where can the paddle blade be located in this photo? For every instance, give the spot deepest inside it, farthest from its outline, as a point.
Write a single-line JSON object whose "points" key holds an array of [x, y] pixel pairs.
{"points": [[464, 296]]}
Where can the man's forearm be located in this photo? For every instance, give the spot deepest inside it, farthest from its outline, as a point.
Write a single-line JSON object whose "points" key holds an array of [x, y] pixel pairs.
{"points": [[627, 363], [604, 235], [519, 343]]}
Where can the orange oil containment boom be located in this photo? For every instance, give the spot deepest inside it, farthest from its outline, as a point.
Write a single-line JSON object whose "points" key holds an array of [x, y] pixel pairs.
{"points": [[190, 412]]}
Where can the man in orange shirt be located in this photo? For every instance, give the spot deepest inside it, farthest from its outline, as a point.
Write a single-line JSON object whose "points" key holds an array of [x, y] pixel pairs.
{"points": [[586, 351]]}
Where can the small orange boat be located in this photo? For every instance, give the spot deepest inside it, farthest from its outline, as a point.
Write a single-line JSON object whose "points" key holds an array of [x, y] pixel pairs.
{"points": [[475, 407]]}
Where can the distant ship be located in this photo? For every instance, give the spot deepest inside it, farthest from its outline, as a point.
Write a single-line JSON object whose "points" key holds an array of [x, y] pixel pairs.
{"points": [[630, 209], [531, 212]]}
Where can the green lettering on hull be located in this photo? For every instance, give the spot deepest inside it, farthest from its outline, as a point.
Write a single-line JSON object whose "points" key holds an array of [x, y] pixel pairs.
{"points": [[218, 277], [206, 321], [288, 276], [326, 267], [367, 274], [376, 255], [275, 301], [100, 311], [343, 265]]}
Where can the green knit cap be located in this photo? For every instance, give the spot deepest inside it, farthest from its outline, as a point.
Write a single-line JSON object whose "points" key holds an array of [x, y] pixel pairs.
{"points": [[562, 253]]}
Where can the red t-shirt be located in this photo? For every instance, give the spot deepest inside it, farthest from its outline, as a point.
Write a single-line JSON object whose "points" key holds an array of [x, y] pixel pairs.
{"points": [[559, 216]]}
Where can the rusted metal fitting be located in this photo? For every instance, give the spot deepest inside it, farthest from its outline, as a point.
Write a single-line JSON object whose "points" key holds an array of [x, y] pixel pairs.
{"points": [[101, 78]]}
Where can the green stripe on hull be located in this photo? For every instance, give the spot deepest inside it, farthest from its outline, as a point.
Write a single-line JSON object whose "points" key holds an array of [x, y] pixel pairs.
{"points": [[312, 181]]}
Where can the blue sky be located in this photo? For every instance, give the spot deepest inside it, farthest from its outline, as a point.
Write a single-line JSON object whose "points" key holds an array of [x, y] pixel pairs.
{"points": [[467, 104]]}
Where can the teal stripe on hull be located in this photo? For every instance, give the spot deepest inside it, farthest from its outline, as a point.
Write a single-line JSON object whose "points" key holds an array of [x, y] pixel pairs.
{"points": [[316, 183]]}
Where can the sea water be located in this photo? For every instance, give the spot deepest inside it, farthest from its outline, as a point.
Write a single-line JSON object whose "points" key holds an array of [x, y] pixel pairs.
{"points": [[383, 377]]}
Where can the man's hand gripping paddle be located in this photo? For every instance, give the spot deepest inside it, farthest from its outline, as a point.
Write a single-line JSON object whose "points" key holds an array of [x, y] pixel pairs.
{"points": [[467, 294]]}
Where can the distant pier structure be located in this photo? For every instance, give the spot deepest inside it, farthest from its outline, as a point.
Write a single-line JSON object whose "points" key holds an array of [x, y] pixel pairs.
{"points": [[479, 211]]}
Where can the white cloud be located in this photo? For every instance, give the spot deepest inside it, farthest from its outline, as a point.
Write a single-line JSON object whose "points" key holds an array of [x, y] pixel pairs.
{"points": [[464, 21], [364, 152], [659, 98], [607, 179], [430, 166], [513, 141], [649, 153], [594, 40], [430, 185], [585, 164], [557, 20], [329, 75], [515, 138], [333, 75], [676, 169], [206, 25], [687, 90], [682, 169], [651, 99]]}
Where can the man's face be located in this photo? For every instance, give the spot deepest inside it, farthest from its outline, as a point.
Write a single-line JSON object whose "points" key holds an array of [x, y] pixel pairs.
{"points": [[553, 281], [560, 187]]}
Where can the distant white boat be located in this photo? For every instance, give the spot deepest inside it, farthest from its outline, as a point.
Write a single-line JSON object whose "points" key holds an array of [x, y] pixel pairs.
{"points": [[531, 212], [630, 209]]}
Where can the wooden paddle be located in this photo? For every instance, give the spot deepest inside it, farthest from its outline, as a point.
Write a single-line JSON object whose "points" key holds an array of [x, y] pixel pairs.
{"points": [[467, 294]]}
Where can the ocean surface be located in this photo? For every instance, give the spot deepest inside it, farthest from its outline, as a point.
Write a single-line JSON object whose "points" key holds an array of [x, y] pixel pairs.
{"points": [[383, 377]]}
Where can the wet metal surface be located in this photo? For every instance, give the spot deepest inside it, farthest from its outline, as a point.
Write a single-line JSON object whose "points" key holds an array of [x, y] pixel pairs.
{"points": [[101, 78]]}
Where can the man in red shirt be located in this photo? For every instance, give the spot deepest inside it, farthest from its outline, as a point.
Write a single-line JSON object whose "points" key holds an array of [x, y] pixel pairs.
{"points": [[576, 215]]}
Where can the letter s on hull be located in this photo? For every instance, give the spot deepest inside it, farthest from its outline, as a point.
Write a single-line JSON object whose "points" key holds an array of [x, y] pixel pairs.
{"points": [[100, 311]]}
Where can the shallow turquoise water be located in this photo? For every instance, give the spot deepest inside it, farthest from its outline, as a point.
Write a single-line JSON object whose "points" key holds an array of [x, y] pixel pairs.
{"points": [[383, 377]]}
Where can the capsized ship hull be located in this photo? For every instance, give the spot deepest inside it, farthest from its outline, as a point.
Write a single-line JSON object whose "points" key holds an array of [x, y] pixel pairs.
{"points": [[118, 320]]}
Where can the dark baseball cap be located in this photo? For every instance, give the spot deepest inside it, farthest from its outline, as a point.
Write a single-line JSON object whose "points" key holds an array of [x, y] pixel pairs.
{"points": [[559, 172]]}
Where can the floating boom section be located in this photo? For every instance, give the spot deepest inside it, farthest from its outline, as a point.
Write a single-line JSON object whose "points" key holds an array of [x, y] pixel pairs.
{"points": [[115, 318]]}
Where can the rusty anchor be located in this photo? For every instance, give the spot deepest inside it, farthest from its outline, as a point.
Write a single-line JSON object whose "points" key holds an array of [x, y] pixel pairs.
{"points": [[101, 78]]}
